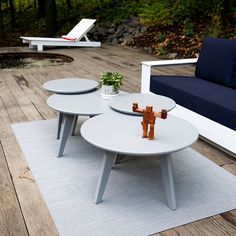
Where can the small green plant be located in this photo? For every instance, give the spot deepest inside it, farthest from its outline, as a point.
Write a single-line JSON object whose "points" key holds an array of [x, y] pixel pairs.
{"points": [[161, 51], [111, 78], [188, 27], [215, 26], [160, 37], [156, 13]]}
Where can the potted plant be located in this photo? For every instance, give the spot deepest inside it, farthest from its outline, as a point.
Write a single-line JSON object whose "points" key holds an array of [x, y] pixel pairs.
{"points": [[110, 83]]}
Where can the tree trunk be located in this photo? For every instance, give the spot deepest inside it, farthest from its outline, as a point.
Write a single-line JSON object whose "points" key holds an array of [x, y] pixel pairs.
{"points": [[51, 17], [69, 5], [13, 18], [35, 4], [41, 4], [2, 31]]}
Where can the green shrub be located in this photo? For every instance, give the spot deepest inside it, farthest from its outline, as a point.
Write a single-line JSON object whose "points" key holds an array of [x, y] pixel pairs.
{"points": [[161, 51], [160, 37], [156, 13], [117, 11], [214, 28], [188, 27]]}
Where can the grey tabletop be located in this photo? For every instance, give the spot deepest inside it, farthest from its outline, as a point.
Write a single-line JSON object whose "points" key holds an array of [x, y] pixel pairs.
{"points": [[122, 133], [70, 85], [90, 104], [124, 103]]}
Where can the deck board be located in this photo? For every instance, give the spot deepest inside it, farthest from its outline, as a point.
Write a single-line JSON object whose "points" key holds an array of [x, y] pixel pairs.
{"points": [[22, 99], [11, 219], [24, 102], [11, 105]]}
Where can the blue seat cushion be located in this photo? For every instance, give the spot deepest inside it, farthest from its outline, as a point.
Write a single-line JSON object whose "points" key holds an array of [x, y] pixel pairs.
{"points": [[208, 99], [217, 61]]}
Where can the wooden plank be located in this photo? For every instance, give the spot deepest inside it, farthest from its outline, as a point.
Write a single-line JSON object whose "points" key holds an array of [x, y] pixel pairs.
{"points": [[36, 100], [34, 209], [181, 230], [11, 219], [230, 168], [212, 153], [213, 226], [131, 78], [4, 121], [82, 73], [36, 85], [12, 107], [170, 232], [26, 106], [230, 216], [36, 214]]}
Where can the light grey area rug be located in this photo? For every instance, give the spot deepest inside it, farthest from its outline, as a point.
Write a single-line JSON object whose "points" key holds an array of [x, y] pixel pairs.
{"points": [[134, 200]]}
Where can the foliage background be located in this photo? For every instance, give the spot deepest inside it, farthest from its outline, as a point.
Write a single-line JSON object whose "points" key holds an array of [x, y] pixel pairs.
{"points": [[164, 18]]}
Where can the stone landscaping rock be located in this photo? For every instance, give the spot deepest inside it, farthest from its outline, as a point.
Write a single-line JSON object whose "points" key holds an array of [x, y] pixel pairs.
{"points": [[121, 34], [172, 55]]}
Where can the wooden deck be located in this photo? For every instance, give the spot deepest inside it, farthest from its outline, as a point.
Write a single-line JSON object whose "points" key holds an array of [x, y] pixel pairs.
{"points": [[22, 98]]}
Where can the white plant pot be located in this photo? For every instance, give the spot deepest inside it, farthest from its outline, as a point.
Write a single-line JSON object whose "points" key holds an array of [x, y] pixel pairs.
{"points": [[107, 92]]}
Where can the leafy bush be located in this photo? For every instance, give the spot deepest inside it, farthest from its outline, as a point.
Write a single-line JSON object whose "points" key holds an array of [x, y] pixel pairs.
{"points": [[160, 36], [156, 13], [117, 11], [188, 27], [214, 28]]}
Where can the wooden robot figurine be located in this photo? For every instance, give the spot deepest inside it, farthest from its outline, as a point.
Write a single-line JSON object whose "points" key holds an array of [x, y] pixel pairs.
{"points": [[149, 118]]}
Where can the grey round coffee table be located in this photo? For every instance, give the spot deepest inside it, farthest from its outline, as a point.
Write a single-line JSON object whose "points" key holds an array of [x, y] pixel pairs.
{"points": [[118, 133], [70, 85], [72, 106], [124, 104]]}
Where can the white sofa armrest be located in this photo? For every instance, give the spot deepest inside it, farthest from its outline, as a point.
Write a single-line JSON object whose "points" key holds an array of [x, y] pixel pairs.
{"points": [[147, 65]]}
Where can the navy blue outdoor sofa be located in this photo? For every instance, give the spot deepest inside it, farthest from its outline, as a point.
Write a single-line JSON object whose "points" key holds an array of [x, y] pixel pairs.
{"points": [[207, 99]]}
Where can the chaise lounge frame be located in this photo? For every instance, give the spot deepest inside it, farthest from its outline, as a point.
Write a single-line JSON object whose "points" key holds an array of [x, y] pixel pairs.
{"points": [[78, 32]]}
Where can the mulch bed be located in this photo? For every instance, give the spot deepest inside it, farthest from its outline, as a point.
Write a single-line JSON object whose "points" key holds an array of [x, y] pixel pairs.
{"points": [[164, 40]]}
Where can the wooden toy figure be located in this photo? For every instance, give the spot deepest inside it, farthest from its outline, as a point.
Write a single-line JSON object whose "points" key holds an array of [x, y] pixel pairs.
{"points": [[149, 118]]}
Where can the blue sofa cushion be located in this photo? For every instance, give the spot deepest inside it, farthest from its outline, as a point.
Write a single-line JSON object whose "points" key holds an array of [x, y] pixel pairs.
{"points": [[233, 81], [211, 100], [217, 61]]}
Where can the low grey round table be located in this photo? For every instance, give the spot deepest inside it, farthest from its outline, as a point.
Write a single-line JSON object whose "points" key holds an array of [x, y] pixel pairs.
{"points": [[70, 85], [72, 106], [117, 133], [124, 104]]}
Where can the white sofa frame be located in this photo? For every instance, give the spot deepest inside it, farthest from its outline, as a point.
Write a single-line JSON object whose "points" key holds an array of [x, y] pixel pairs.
{"points": [[218, 135]]}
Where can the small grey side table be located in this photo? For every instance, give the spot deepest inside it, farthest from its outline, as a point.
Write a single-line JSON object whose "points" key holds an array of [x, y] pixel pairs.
{"points": [[117, 133], [69, 86], [71, 106], [124, 104]]}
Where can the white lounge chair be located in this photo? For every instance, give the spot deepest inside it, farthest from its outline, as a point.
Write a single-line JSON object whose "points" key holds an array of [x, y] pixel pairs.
{"points": [[72, 39]]}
